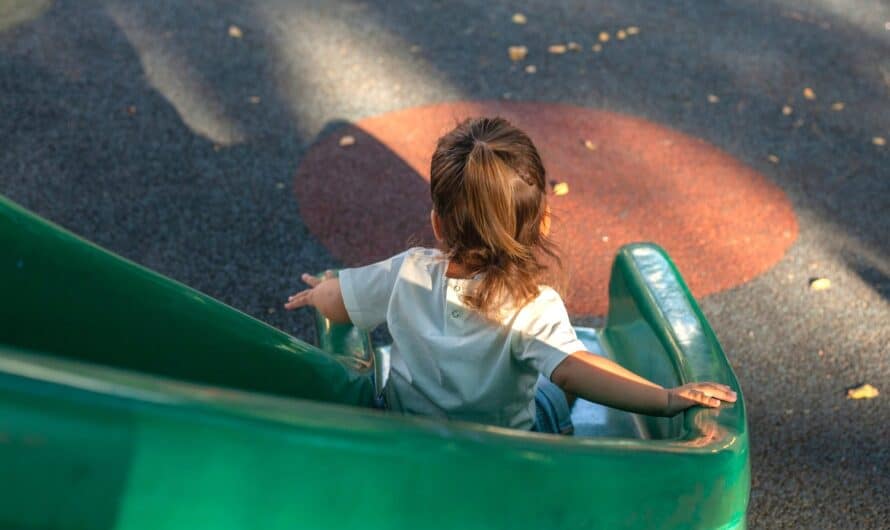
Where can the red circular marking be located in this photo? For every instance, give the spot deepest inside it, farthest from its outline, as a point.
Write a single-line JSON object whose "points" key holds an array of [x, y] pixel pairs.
{"points": [[722, 222]]}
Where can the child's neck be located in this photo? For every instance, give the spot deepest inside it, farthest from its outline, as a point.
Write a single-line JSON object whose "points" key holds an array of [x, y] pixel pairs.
{"points": [[456, 270]]}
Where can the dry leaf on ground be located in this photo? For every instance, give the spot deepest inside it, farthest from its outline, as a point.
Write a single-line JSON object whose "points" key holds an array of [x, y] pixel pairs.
{"points": [[865, 391], [809, 94], [347, 140], [820, 284], [621, 35], [254, 99], [712, 98], [838, 105], [530, 69], [633, 30], [604, 36], [597, 47], [561, 189], [235, 32], [519, 18], [590, 145], [879, 141], [517, 53], [557, 49], [773, 158], [787, 110], [574, 46]]}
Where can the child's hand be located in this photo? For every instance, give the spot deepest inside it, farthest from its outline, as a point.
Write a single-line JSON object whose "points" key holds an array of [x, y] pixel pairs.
{"points": [[707, 394], [307, 296]]}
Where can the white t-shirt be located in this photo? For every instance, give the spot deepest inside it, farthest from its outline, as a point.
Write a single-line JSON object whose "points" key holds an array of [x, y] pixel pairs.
{"points": [[448, 360]]}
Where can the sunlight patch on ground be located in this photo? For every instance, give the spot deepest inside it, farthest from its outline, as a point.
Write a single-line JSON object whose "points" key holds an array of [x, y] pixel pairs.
{"points": [[15, 12], [383, 72], [178, 82]]}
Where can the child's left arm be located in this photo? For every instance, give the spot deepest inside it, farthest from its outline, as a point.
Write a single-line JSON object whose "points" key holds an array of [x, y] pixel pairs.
{"points": [[323, 294], [603, 381]]}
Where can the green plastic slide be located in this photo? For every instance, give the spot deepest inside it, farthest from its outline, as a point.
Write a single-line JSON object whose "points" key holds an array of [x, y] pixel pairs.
{"points": [[130, 401]]}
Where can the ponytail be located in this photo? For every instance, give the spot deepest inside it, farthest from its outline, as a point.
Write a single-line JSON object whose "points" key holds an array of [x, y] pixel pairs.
{"points": [[488, 188]]}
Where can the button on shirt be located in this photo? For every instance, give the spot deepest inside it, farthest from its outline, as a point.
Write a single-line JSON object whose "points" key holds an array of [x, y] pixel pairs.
{"points": [[448, 360]]}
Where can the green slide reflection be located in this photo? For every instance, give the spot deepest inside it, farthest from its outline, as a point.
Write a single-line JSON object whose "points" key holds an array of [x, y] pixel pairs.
{"points": [[130, 401]]}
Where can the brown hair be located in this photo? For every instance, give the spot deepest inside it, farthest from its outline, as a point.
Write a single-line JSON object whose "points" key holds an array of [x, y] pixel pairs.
{"points": [[489, 190]]}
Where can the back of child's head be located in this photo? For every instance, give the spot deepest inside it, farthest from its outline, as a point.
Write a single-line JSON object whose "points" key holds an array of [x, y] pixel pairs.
{"points": [[489, 191]]}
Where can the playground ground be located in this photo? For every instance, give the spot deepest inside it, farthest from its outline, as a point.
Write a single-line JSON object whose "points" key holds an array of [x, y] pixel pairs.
{"points": [[205, 140]]}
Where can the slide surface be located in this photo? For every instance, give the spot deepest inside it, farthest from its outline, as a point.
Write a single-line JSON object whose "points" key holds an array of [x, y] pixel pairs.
{"points": [[132, 401]]}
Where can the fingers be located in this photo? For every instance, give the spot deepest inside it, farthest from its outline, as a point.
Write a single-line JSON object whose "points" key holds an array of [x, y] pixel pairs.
{"points": [[708, 394], [697, 397], [314, 280], [721, 392], [300, 299], [311, 280], [304, 298]]}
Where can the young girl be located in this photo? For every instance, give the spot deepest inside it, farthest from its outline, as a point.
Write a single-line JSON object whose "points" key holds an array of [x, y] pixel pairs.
{"points": [[477, 336]]}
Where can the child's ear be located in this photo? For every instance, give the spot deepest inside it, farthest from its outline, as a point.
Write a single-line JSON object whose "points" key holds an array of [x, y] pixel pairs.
{"points": [[437, 225], [545, 222]]}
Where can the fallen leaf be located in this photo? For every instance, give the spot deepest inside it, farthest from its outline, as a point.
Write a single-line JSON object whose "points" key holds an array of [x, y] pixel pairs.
{"points": [[820, 284], [773, 158], [561, 189], [865, 391], [590, 145], [621, 34], [879, 141], [837, 105], [530, 69], [519, 18], [574, 46], [597, 47], [787, 110], [254, 99], [712, 98], [633, 30], [517, 53], [557, 49], [347, 140], [604, 36], [235, 32], [809, 94]]}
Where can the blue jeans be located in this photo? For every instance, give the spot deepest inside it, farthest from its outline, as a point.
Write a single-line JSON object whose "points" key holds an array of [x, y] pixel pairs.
{"points": [[552, 413]]}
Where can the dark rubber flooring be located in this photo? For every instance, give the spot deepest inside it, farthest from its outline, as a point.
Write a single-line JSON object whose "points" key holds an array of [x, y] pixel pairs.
{"points": [[173, 132]]}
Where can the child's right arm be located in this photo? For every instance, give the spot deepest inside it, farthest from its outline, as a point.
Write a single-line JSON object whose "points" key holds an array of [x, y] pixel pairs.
{"points": [[324, 294], [600, 380]]}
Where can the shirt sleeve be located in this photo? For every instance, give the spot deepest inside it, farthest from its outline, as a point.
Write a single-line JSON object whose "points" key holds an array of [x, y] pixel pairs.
{"points": [[546, 336], [366, 290]]}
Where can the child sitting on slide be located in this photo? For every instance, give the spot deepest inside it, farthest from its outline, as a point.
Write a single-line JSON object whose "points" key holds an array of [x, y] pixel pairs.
{"points": [[477, 335]]}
